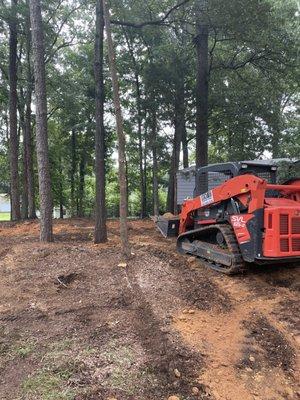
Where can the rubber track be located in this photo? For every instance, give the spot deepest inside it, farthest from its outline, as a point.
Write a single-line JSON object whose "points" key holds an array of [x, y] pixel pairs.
{"points": [[238, 265]]}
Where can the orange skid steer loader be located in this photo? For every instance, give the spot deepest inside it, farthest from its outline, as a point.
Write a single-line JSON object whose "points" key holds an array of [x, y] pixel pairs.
{"points": [[246, 219]]}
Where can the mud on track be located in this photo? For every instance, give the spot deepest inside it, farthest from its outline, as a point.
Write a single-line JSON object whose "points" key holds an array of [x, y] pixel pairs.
{"points": [[75, 325]]}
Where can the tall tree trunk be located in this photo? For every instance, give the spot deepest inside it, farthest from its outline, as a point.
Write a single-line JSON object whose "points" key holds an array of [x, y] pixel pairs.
{"points": [[13, 124], [28, 145], [275, 142], [61, 192], [179, 123], [145, 169], [201, 41], [100, 233], [121, 136], [139, 124], [73, 170], [140, 138], [154, 163], [46, 234], [81, 183], [185, 149], [24, 205]]}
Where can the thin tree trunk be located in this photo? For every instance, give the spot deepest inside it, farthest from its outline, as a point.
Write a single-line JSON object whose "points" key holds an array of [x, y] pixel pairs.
{"points": [[46, 234], [145, 169], [140, 138], [121, 136], [73, 170], [154, 164], [171, 200], [28, 145], [61, 193], [201, 41], [61, 209], [81, 184], [13, 124], [24, 205], [100, 233], [179, 123], [139, 123], [275, 141], [185, 149], [230, 144]]}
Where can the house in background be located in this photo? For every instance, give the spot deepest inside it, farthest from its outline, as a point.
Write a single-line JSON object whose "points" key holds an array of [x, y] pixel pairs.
{"points": [[5, 207], [4, 203]]}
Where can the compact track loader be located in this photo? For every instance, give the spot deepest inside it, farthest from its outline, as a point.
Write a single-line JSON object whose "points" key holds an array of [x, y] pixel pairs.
{"points": [[238, 215]]}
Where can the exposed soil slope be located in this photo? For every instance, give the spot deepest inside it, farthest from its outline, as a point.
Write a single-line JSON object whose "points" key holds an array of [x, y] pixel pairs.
{"points": [[75, 323]]}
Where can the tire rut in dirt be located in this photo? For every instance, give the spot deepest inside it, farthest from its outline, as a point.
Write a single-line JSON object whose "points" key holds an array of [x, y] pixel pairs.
{"points": [[166, 353]]}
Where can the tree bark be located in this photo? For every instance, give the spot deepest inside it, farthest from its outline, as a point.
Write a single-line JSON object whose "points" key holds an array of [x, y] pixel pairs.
{"points": [[46, 234], [28, 145], [73, 170], [82, 163], [61, 192], [201, 42], [13, 124], [139, 124], [185, 149], [154, 164], [179, 124], [140, 138], [100, 232], [121, 136], [24, 185]]}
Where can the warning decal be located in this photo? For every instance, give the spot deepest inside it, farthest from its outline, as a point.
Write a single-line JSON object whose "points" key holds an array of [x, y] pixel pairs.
{"points": [[207, 198]]}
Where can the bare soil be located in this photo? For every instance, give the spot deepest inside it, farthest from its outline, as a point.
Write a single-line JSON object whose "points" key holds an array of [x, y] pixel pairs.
{"points": [[75, 323]]}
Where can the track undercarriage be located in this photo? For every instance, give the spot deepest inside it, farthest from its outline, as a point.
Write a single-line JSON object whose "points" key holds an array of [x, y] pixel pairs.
{"points": [[216, 246]]}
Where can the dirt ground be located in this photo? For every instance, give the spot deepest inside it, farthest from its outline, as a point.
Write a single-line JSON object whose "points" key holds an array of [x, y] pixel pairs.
{"points": [[76, 323]]}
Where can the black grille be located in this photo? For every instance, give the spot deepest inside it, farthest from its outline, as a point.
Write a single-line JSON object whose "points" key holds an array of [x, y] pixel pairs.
{"points": [[267, 176], [210, 180], [284, 224], [296, 244], [284, 245], [296, 225]]}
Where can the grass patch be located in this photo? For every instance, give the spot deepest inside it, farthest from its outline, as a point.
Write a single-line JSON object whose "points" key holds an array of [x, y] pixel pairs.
{"points": [[4, 216], [122, 376], [48, 385], [51, 381], [19, 348], [24, 351]]}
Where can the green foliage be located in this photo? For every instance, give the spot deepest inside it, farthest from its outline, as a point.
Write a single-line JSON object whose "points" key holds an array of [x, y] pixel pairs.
{"points": [[253, 89]]}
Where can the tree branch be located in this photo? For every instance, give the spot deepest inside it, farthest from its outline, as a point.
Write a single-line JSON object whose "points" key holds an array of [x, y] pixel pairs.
{"points": [[62, 25], [155, 22]]}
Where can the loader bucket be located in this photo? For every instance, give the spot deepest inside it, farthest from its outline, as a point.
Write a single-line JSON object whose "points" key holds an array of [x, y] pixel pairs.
{"points": [[168, 226]]}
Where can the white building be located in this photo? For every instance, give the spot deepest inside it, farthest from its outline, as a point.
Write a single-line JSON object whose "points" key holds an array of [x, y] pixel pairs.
{"points": [[5, 207], [4, 203]]}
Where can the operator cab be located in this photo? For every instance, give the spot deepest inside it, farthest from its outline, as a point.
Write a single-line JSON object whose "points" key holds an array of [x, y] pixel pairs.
{"points": [[211, 176]]}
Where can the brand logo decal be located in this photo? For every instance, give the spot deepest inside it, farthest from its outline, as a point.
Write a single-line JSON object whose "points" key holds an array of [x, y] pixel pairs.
{"points": [[238, 221]]}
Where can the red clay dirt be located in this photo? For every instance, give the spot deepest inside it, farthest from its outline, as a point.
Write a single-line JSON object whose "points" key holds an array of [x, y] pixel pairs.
{"points": [[75, 324]]}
